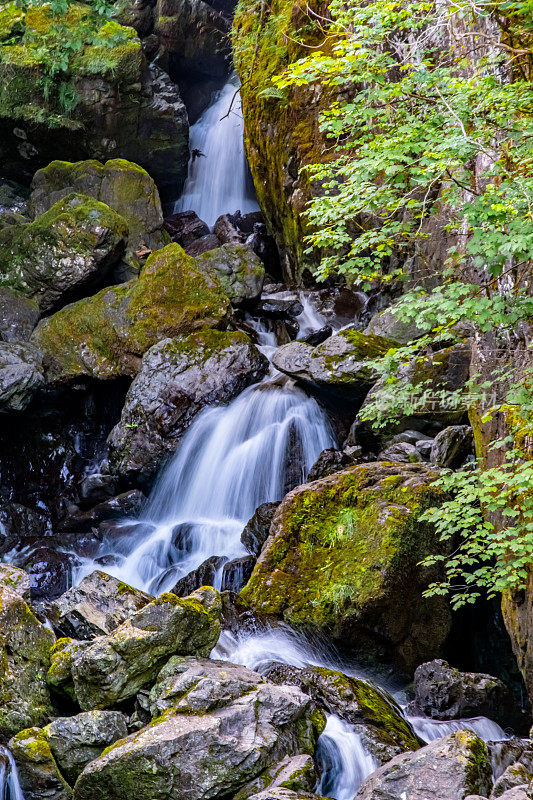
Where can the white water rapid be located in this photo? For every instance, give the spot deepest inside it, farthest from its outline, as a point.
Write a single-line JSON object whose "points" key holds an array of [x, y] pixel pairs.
{"points": [[218, 181]]}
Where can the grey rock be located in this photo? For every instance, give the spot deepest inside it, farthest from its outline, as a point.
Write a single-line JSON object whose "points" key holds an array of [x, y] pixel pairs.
{"points": [[238, 269], [39, 775], [424, 448], [446, 769], [95, 607], [204, 575], [186, 227], [178, 378], [402, 451], [317, 337], [115, 667], [282, 304], [443, 692], [339, 364], [294, 774], [411, 437], [122, 185], [25, 656], [518, 793], [206, 755], [76, 741], [18, 316], [516, 775], [452, 446], [509, 751], [21, 375], [96, 488], [126, 504], [227, 231], [328, 462], [203, 245], [16, 579], [65, 253], [387, 323], [256, 531]]}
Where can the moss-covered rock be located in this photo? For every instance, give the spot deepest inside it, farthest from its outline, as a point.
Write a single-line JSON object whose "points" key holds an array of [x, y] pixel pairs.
{"points": [[339, 365], [343, 557], [64, 253], [178, 378], [24, 659], [205, 755], [21, 375], [40, 776], [106, 103], [238, 269], [123, 186], [106, 335]]}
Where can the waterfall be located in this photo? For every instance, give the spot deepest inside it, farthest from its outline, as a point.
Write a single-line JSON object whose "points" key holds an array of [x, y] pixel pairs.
{"points": [[218, 181], [9, 779], [232, 459], [431, 729], [344, 762]]}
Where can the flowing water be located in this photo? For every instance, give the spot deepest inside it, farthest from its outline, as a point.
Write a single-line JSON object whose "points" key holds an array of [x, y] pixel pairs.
{"points": [[9, 779], [218, 181]]}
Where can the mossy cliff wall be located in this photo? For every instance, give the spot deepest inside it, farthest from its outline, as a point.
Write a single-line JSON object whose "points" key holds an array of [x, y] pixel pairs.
{"points": [[281, 128]]}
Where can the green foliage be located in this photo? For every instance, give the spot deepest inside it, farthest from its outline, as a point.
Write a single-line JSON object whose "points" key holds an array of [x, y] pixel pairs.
{"points": [[434, 113], [54, 33]]}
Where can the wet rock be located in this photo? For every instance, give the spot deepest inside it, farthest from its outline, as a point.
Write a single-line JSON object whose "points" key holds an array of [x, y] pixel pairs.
{"points": [[386, 323], [50, 571], [296, 774], [282, 304], [402, 451], [367, 514], [62, 656], [106, 335], [21, 375], [200, 685], [16, 579], [516, 775], [443, 692], [446, 769], [76, 741], [317, 337], [39, 774], [178, 378], [126, 504], [97, 488], [186, 227], [424, 448], [238, 269], [452, 446], [204, 575], [227, 231], [256, 531], [339, 364], [123, 186], [329, 461], [64, 254], [25, 656], [361, 703], [203, 245], [264, 246], [509, 751], [113, 668], [206, 755], [95, 607], [236, 573], [18, 316]]}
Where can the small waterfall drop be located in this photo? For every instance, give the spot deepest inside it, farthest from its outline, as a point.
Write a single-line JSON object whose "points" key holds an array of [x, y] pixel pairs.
{"points": [[218, 181], [431, 729], [9, 779], [232, 459], [343, 759]]}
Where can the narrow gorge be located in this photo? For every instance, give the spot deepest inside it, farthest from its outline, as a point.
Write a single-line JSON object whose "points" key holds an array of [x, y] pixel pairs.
{"points": [[266, 421]]}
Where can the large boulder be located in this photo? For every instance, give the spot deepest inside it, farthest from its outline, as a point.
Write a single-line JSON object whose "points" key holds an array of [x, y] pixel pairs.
{"points": [[178, 378], [64, 254], [197, 753], [111, 104], [95, 607], [106, 335], [78, 740], [443, 692], [372, 712], [25, 645], [447, 769], [257, 528], [21, 375], [115, 667], [452, 446], [16, 579], [238, 269], [123, 186], [343, 556], [338, 365]]}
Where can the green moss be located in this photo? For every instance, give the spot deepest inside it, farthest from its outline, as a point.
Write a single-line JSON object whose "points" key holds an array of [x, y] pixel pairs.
{"points": [[11, 20], [32, 744], [349, 530]]}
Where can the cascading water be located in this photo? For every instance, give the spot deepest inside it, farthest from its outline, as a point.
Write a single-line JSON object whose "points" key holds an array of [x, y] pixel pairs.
{"points": [[218, 180], [343, 759], [9, 779]]}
